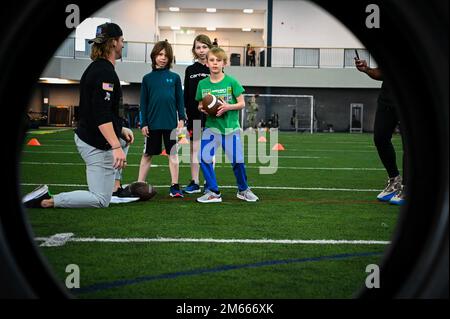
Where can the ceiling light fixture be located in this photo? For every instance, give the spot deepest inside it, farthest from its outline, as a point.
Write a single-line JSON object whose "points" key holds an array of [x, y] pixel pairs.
{"points": [[57, 81]]}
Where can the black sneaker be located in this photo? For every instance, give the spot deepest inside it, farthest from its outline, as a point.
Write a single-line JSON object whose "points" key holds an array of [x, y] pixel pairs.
{"points": [[118, 191], [34, 199], [123, 192]]}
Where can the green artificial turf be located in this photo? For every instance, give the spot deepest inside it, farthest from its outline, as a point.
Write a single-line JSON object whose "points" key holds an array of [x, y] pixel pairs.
{"points": [[331, 183]]}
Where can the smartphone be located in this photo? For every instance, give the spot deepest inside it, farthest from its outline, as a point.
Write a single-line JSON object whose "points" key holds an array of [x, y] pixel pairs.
{"points": [[357, 55]]}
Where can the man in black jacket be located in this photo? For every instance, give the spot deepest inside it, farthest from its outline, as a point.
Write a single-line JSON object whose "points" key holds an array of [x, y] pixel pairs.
{"points": [[99, 128], [386, 120]]}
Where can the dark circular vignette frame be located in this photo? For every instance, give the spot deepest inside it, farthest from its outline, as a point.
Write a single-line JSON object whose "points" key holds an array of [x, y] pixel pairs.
{"points": [[411, 47]]}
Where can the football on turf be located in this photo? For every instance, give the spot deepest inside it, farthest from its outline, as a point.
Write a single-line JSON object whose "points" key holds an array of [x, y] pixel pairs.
{"points": [[211, 103], [142, 190]]}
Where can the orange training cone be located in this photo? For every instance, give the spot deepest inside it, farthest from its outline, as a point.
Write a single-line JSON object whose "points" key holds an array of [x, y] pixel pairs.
{"points": [[34, 142], [164, 152], [262, 139], [278, 147]]}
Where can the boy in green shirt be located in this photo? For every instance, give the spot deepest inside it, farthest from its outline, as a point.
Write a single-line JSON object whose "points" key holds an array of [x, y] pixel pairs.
{"points": [[223, 129]]}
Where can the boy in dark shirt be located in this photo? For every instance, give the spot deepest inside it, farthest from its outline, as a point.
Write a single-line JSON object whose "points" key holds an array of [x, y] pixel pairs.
{"points": [[196, 119], [162, 113]]}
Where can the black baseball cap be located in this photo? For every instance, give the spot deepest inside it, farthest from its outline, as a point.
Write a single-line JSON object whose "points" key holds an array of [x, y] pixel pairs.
{"points": [[106, 31]]}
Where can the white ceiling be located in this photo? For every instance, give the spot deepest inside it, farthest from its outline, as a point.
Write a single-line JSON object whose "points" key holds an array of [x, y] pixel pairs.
{"points": [[202, 20], [228, 17], [259, 6]]}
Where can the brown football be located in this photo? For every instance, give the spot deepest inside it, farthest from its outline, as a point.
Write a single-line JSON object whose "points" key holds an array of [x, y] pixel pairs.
{"points": [[211, 103], [142, 190]]}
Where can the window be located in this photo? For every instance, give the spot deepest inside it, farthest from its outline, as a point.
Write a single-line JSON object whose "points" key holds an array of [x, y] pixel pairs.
{"points": [[306, 57]]}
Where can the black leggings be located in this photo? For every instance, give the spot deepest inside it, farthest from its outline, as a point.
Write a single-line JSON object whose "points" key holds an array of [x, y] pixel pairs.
{"points": [[386, 120]]}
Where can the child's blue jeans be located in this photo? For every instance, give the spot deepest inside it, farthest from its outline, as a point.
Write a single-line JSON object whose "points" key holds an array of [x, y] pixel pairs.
{"points": [[232, 146]]}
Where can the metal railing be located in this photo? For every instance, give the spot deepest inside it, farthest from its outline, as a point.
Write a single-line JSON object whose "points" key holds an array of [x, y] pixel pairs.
{"points": [[279, 56]]}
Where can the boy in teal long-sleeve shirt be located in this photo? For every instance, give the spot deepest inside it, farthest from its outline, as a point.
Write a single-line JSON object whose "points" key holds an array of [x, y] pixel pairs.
{"points": [[161, 112]]}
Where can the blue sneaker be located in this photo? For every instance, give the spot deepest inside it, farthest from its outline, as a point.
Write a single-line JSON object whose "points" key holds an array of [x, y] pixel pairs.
{"points": [[175, 191], [393, 186], [399, 198], [192, 188]]}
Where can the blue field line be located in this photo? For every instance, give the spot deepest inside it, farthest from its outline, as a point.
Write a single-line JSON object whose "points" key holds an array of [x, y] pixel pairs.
{"points": [[201, 271]]}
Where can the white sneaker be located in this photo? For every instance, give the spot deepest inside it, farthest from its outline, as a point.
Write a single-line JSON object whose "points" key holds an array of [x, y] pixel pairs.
{"points": [[394, 184], [35, 198], [399, 198], [247, 195], [37, 192], [210, 197]]}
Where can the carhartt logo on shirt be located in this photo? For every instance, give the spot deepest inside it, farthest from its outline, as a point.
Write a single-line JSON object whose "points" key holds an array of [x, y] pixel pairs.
{"points": [[169, 80], [108, 86], [201, 75]]}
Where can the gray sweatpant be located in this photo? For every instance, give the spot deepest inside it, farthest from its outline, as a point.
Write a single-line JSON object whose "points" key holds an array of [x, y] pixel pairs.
{"points": [[100, 176]]}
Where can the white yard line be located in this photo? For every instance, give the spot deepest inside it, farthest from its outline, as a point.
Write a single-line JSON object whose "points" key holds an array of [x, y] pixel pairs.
{"points": [[368, 143], [345, 151], [227, 166], [69, 238], [234, 186], [132, 153], [253, 148]]}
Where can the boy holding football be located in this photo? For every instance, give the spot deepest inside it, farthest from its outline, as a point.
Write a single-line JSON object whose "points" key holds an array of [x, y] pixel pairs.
{"points": [[223, 129]]}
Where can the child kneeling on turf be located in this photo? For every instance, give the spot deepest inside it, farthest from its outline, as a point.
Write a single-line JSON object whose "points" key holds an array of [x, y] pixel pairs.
{"points": [[224, 129]]}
